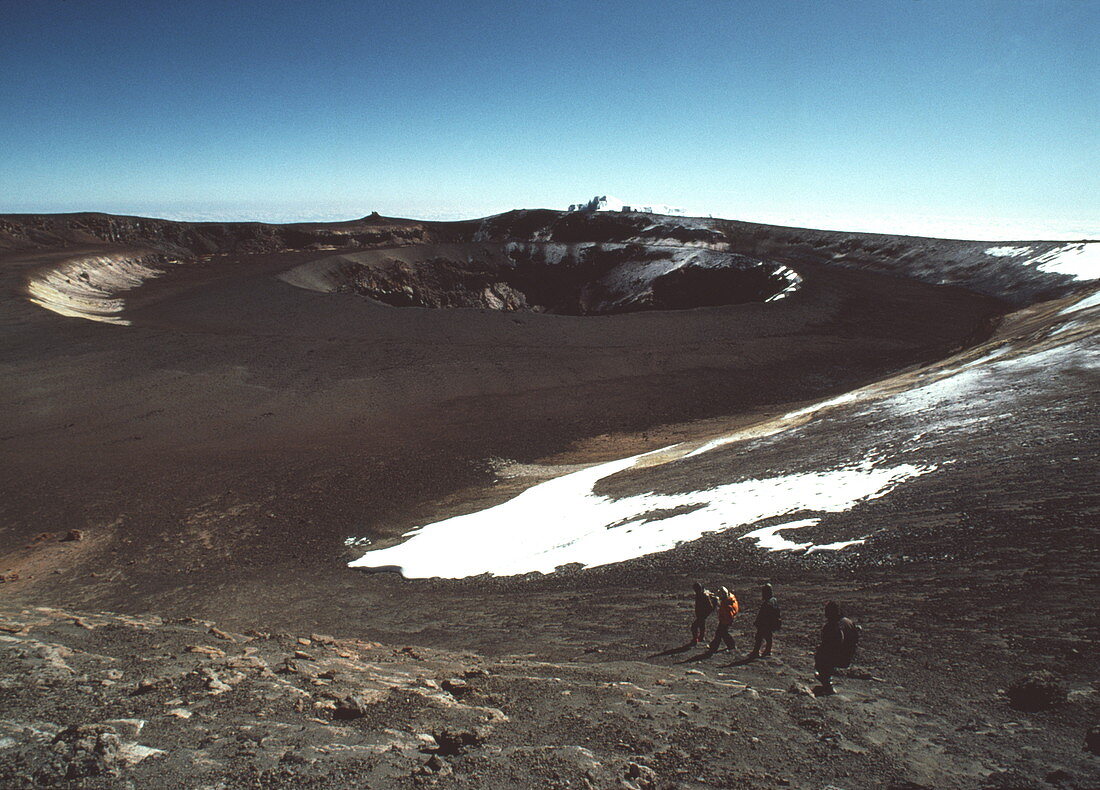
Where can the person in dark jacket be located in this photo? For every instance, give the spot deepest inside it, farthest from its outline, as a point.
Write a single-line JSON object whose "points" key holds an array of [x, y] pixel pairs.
{"points": [[727, 610], [839, 636], [767, 622], [705, 603]]}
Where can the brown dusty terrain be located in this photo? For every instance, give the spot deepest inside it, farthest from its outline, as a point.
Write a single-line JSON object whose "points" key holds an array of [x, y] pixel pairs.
{"points": [[217, 452]]}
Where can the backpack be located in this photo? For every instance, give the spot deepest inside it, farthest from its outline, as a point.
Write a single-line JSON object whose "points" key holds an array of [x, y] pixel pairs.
{"points": [[847, 652]]}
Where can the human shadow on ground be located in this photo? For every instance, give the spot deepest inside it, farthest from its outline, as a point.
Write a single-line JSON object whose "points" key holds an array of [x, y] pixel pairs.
{"points": [[702, 656], [674, 651]]}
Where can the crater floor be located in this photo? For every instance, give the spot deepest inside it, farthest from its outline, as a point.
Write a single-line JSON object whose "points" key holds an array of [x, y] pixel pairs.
{"points": [[250, 408]]}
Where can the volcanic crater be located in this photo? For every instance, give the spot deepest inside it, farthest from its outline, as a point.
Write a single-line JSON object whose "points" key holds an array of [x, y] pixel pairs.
{"points": [[227, 414]]}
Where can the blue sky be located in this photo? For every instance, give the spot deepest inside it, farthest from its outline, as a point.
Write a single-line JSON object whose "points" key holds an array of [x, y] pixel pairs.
{"points": [[837, 113]]}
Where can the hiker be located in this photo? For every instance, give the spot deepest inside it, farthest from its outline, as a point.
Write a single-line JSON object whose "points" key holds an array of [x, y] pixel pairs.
{"points": [[839, 638], [727, 610], [705, 603], [768, 621]]}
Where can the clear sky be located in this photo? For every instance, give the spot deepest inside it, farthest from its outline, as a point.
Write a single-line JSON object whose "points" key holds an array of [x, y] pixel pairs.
{"points": [[865, 114]]}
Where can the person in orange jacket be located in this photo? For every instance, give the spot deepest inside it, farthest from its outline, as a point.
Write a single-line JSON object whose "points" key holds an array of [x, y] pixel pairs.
{"points": [[727, 610]]}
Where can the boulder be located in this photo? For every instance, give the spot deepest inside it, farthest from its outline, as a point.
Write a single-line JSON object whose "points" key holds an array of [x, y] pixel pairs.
{"points": [[438, 765], [1037, 691], [455, 740], [1092, 739], [456, 687], [352, 706], [89, 750], [642, 776]]}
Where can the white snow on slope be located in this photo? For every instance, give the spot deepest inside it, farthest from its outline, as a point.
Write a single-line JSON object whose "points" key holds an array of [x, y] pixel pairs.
{"points": [[770, 539], [1085, 304], [1081, 260], [89, 286], [1008, 252], [1075, 260], [562, 521]]}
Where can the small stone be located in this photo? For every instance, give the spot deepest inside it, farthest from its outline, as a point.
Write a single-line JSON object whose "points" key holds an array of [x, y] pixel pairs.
{"points": [[150, 684], [323, 639], [642, 775], [206, 650], [303, 641], [296, 758], [220, 634], [350, 707], [218, 686], [73, 534], [130, 728], [246, 662], [456, 687], [437, 764], [303, 655], [180, 713]]}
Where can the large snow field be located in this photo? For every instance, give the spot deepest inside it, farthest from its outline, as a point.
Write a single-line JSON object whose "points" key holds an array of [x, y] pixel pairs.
{"points": [[562, 521], [907, 427]]}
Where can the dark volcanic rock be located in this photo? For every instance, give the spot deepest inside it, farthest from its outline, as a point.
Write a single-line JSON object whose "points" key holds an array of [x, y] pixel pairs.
{"points": [[350, 707], [89, 749], [456, 740], [1092, 740], [1037, 691]]}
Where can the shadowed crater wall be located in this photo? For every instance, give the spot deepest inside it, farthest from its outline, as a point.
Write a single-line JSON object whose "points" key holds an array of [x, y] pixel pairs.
{"points": [[572, 279]]}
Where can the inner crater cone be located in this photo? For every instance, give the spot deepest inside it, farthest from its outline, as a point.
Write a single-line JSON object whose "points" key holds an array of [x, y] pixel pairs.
{"points": [[568, 279]]}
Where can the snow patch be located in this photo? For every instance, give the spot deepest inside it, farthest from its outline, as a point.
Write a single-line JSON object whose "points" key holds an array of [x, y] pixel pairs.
{"points": [[770, 539], [1083, 304], [1008, 252], [1081, 261], [562, 521]]}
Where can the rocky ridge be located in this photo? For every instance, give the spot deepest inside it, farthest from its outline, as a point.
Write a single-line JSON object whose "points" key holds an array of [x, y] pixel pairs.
{"points": [[107, 700]]}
